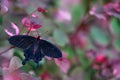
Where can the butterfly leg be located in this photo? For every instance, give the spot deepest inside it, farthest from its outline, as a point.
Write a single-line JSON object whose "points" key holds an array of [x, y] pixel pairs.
{"points": [[37, 62], [38, 57], [24, 61]]}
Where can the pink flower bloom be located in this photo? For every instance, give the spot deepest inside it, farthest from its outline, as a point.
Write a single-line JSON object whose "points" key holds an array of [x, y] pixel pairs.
{"points": [[39, 9], [12, 29], [46, 76], [69, 3], [117, 6], [108, 8], [79, 39], [91, 54], [4, 4], [63, 63], [116, 71], [101, 59], [31, 23], [25, 2], [116, 67], [3, 9], [112, 9]]}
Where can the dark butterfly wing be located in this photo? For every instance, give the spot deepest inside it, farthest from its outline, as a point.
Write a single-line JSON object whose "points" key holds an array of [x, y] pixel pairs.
{"points": [[49, 49], [21, 41]]}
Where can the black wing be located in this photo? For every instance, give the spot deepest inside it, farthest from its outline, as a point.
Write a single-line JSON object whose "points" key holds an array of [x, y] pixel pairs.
{"points": [[49, 49], [21, 41]]}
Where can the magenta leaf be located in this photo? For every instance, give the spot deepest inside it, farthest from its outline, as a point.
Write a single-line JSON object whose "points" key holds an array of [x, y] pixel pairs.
{"points": [[98, 12], [12, 29], [63, 63], [112, 9]]}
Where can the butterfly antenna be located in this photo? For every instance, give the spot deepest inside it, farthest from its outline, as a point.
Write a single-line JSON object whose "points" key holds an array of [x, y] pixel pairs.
{"points": [[37, 33], [41, 33]]}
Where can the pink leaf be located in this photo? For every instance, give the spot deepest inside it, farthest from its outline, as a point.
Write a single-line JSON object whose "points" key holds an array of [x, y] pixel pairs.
{"points": [[15, 75], [13, 30], [10, 76], [63, 63]]}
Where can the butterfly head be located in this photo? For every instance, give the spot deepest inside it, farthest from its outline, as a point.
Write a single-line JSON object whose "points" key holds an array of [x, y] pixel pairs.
{"points": [[37, 37]]}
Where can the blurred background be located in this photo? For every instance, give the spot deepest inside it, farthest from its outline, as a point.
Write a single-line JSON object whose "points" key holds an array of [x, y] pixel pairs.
{"points": [[86, 31]]}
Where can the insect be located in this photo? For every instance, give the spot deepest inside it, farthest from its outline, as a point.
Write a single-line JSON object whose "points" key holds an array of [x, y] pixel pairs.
{"points": [[34, 48]]}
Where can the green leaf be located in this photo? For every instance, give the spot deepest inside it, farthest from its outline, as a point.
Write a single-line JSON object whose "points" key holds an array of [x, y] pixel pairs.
{"points": [[69, 51], [99, 36], [78, 11], [89, 74], [2, 33], [83, 60], [19, 54], [60, 37], [77, 74], [115, 26], [116, 44], [0, 20]]}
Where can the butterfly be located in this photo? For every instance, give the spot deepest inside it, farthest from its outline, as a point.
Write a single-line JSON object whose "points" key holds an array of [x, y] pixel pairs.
{"points": [[34, 48]]}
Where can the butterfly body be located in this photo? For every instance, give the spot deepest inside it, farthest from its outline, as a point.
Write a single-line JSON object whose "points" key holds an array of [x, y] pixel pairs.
{"points": [[34, 48]]}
